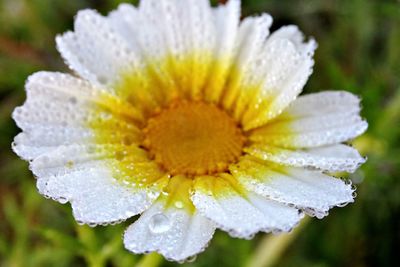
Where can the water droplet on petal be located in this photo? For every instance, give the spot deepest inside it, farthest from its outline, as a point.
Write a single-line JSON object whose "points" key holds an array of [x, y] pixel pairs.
{"points": [[62, 200], [151, 193], [191, 259], [159, 223], [92, 224], [179, 204]]}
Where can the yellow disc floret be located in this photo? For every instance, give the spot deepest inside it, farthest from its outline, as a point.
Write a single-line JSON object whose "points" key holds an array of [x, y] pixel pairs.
{"points": [[193, 138]]}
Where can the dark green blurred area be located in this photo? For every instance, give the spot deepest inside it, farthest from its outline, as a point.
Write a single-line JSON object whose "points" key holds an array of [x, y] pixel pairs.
{"points": [[359, 51]]}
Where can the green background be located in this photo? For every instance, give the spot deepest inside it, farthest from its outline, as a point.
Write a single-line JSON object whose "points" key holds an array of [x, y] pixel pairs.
{"points": [[359, 51]]}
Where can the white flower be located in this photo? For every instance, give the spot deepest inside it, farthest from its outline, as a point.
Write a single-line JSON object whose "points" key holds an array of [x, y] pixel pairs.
{"points": [[185, 114]]}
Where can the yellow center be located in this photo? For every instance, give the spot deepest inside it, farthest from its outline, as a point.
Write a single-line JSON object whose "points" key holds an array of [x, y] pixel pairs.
{"points": [[193, 138]]}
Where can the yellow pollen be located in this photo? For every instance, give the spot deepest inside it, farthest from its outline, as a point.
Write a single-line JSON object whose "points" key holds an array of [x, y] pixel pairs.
{"points": [[193, 138]]}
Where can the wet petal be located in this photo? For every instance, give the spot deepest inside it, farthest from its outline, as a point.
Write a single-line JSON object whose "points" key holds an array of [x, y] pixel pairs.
{"points": [[311, 191], [171, 227], [95, 196], [239, 212], [250, 40], [314, 120], [49, 118], [227, 18], [329, 158], [284, 65], [95, 51]]}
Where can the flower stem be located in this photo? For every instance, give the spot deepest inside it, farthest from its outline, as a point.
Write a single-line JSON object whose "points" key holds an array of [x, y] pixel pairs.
{"points": [[150, 260], [272, 247]]}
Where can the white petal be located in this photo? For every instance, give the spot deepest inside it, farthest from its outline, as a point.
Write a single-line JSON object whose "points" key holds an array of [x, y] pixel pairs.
{"points": [[175, 233], [285, 63], [240, 213], [95, 51], [251, 38], [315, 120], [227, 18], [311, 191], [325, 102], [126, 21], [29, 145], [96, 197], [49, 117], [330, 158], [66, 159], [182, 30]]}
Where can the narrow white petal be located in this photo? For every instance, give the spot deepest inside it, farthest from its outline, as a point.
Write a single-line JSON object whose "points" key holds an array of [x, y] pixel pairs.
{"points": [[69, 158], [242, 214], [31, 144], [49, 117], [96, 197], [95, 51], [251, 38], [227, 18], [311, 191], [200, 25], [286, 63], [126, 21], [329, 158], [315, 120], [326, 102], [162, 33], [175, 233]]}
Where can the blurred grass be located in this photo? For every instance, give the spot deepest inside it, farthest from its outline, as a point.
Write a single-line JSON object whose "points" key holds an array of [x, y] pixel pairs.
{"points": [[359, 51]]}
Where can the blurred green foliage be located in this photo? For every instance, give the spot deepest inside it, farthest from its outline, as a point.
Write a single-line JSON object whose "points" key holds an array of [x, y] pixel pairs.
{"points": [[359, 51]]}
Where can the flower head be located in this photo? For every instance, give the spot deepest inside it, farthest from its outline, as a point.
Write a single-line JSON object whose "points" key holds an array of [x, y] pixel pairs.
{"points": [[190, 117]]}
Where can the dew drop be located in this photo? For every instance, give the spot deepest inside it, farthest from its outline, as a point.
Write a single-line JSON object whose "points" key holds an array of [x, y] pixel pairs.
{"points": [[119, 155], [73, 100], [179, 204], [127, 140], [62, 200], [159, 223], [102, 79], [151, 193], [191, 259], [92, 224], [129, 213]]}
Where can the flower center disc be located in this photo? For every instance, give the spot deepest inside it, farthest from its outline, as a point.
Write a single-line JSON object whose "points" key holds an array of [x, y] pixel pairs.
{"points": [[193, 138]]}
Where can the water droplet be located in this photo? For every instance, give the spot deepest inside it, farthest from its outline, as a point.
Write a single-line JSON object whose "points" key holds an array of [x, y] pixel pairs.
{"points": [[69, 164], [102, 79], [179, 204], [159, 223], [120, 155], [62, 200], [127, 140], [129, 213], [191, 259], [73, 100], [92, 224], [151, 193]]}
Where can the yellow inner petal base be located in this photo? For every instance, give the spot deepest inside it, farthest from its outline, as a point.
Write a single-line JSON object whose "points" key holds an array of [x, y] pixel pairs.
{"points": [[193, 138]]}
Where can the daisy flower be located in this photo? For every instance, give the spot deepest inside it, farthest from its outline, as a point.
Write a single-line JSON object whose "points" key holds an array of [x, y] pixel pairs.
{"points": [[184, 114]]}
